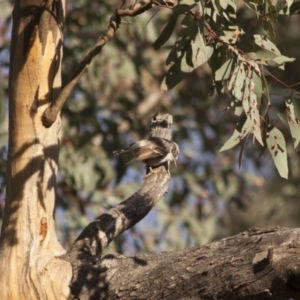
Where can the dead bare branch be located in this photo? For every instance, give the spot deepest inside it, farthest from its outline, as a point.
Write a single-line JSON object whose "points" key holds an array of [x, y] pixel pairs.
{"points": [[99, 233]]}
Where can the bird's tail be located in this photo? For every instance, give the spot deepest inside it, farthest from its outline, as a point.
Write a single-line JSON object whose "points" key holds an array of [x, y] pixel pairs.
{"points": [[120, 151], [117, 152]]}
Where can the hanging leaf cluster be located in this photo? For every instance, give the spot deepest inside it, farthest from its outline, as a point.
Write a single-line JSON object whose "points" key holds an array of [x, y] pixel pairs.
{"points": [[239, 63]]}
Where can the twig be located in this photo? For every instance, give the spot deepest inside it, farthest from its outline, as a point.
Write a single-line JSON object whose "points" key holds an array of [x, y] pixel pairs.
{"points": [[50, 114]]}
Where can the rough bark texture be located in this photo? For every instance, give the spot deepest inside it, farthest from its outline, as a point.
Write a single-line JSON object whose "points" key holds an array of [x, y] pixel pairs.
{"points": [[98, 234], [28, 244], [257, 264]]}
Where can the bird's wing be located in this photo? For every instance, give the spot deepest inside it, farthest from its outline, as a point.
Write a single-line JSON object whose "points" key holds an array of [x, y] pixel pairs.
{"points": [[132, 147], [145, 149]]}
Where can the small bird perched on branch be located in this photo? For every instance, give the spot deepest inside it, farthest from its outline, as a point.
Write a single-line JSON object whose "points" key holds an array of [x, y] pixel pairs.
{"points": [[153, 152]]}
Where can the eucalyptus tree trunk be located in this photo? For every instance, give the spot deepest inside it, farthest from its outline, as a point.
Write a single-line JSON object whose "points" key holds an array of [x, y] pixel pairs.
{"points": [[28, 244]]}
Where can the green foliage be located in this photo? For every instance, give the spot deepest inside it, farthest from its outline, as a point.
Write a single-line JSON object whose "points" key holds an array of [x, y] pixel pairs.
{"points": [[189, 52], [207, 27], [242, 129]]}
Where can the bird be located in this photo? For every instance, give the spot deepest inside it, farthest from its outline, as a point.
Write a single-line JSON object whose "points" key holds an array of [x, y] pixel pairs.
{"points": [[153, 152]]}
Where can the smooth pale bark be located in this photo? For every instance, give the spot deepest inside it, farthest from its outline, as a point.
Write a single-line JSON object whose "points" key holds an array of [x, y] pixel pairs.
{"points": [[28, 245]]}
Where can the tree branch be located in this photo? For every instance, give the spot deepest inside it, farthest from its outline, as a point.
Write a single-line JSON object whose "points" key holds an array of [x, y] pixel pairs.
{"points": [[256, 264], [50, 114], [98, 234]]}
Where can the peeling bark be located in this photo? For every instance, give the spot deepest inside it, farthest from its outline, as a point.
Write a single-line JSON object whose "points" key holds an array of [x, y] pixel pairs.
{"points": [[28, 243]]}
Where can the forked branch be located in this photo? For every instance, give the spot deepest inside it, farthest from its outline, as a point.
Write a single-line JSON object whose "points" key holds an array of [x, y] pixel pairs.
{"points": [[50, 114]]}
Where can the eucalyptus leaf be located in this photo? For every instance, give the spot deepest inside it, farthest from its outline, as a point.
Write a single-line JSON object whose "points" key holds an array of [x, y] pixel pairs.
{"points": [[233, 77], [246, 96], [279, 61], [190, 27], [188, 2], [265, 89], [237, 85], [255, 118], [237, 106], [266, 44], [277, 148], [165, 34], [182, 41], [293, 115], [257, 86], [182, 8], [226, 69], [192, 57], [243, 127]]}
